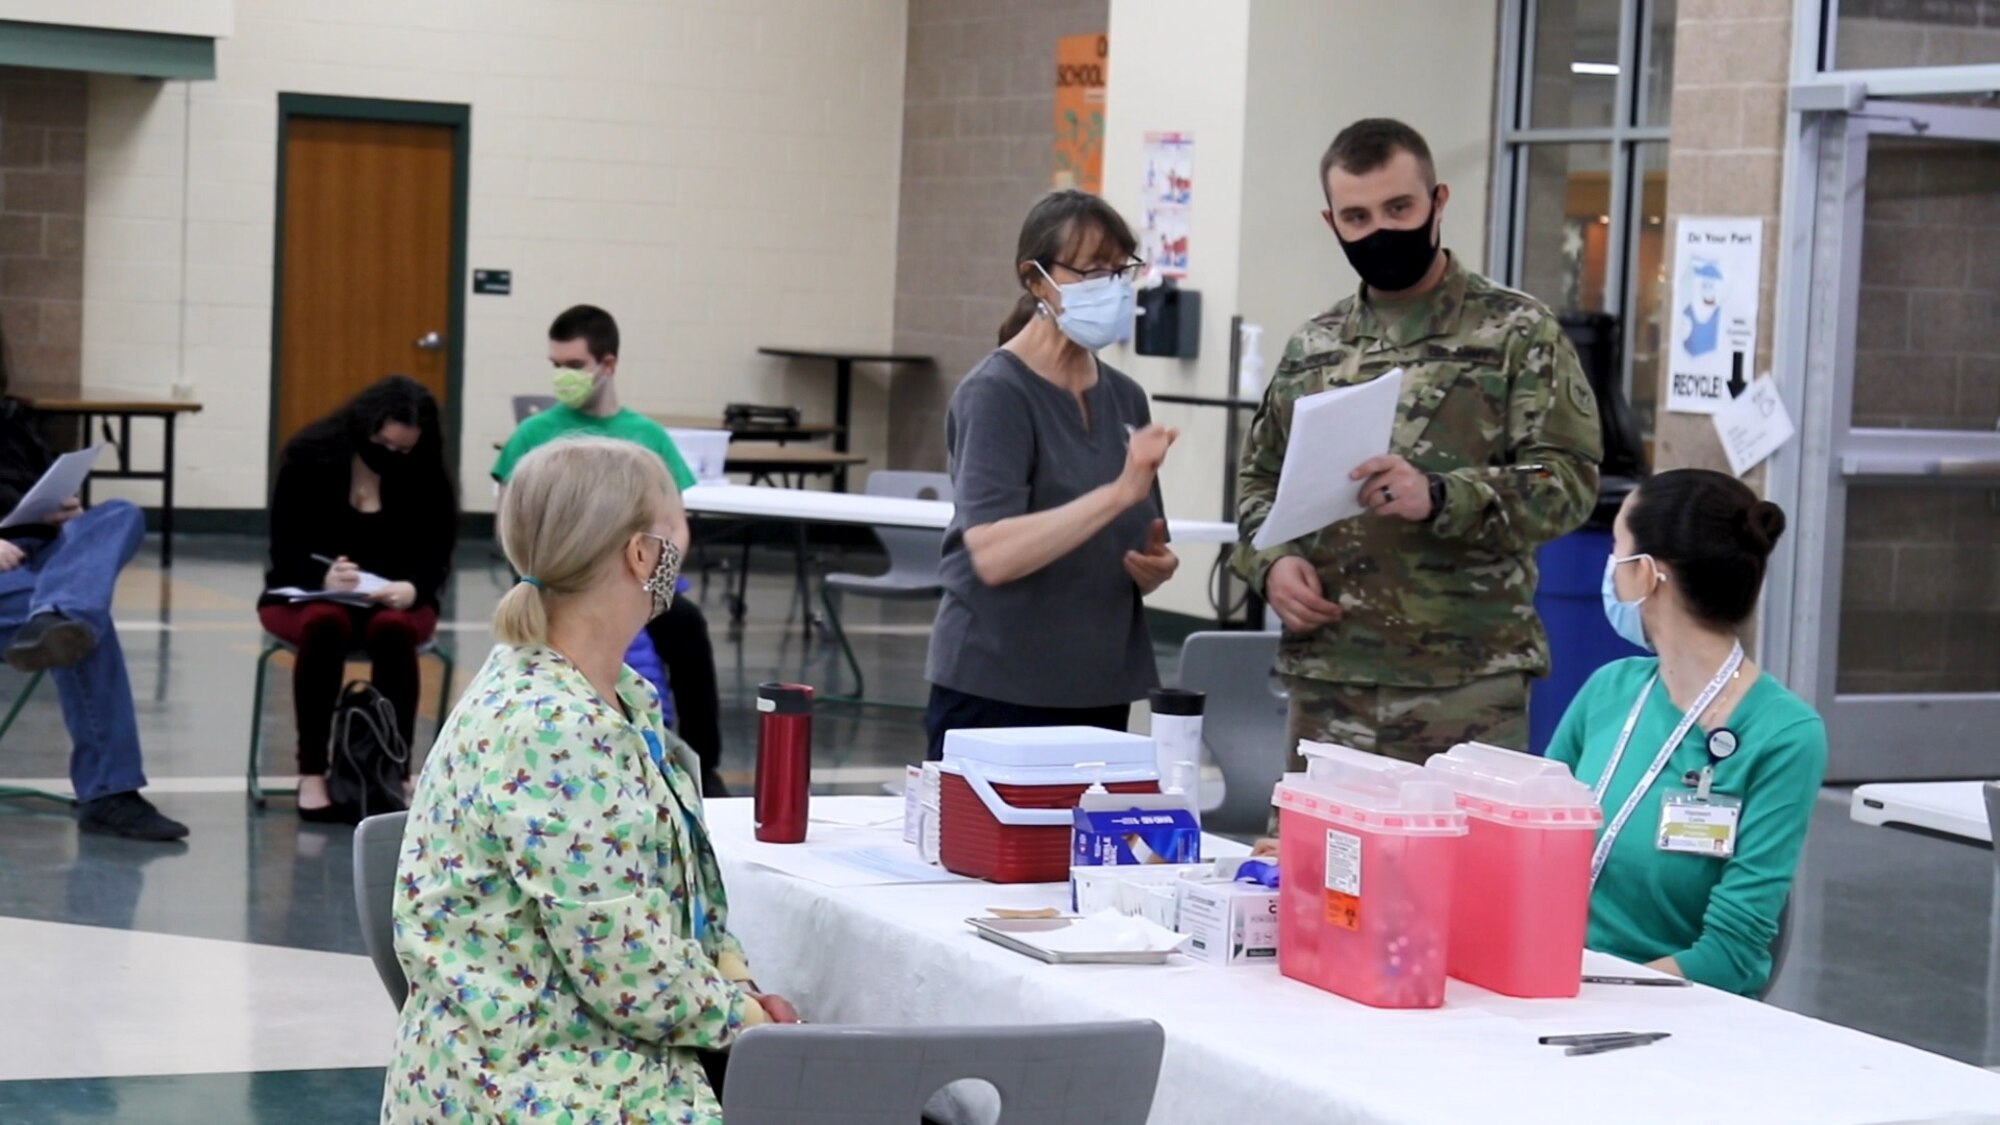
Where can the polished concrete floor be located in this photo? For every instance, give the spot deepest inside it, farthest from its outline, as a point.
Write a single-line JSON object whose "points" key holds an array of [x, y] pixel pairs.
{"points": [[220, 980]]}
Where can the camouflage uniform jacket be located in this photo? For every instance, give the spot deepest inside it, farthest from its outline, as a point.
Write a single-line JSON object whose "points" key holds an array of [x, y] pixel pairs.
{"points": [[1495, 403]]}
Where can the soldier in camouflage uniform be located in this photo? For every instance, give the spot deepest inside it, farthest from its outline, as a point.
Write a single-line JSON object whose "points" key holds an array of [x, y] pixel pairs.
{"points": [[1412, 627]]}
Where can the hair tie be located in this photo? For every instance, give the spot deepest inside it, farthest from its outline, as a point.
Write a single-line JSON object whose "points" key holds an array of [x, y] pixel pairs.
{"points": [[532, 581]]}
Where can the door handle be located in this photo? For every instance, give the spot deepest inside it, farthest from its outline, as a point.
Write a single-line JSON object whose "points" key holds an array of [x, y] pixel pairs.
{"points": [[431, 342]]}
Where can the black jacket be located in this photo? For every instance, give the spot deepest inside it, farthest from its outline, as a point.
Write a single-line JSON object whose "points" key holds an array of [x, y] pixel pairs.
{"points": [[23, 460], [409, 540]]}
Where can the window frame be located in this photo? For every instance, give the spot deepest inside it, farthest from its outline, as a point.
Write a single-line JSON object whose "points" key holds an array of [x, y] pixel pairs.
{"points": [[1515, 139]]}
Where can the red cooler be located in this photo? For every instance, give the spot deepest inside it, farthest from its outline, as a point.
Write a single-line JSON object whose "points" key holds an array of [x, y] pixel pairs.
{"points": [[1005, 796], [1521, 895]]}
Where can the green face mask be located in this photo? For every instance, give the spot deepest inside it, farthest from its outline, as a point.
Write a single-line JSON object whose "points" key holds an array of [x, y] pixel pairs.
{"points": [[575, 388]]}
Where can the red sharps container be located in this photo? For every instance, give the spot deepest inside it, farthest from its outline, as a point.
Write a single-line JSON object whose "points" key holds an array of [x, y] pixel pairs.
{"points": [[784, 761]]}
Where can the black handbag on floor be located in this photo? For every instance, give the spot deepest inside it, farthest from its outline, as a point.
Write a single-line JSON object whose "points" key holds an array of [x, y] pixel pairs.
{"points": [[366, 756]]}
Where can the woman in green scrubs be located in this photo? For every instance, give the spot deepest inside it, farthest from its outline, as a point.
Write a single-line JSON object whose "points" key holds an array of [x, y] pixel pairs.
{"points": [[1706, 766]]}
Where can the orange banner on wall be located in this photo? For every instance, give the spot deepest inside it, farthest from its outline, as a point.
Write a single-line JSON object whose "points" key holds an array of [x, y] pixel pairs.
{"points": [[1081, 65]]}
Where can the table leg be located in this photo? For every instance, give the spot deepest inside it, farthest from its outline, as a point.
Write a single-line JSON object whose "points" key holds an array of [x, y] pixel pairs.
{"points": [[804, 585], [167, 498], [739, 605], [843, 410], [83, 442]]}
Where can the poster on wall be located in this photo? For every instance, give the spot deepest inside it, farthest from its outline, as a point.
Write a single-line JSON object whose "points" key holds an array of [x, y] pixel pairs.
{"points": [[1167, 193], [1079, 152], [1718, 267]]}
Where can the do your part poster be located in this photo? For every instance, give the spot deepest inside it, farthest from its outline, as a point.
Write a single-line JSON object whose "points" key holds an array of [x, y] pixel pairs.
{"points": [[1713, 320]]}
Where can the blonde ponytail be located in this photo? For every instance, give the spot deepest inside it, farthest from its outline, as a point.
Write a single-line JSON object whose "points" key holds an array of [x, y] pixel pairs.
{"points": [[570, 506], [521, 618]]}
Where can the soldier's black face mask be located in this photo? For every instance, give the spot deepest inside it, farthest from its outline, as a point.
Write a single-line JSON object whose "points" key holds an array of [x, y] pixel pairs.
{"points": [[1391, 261]]}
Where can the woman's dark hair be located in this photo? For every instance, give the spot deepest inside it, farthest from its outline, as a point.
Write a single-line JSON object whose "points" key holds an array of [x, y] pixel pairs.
{"points": [[336, 438], [1716, 535], [1056, 228]]}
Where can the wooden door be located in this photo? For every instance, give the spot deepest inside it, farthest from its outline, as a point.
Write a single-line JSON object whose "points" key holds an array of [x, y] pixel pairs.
{"points": [[366, 276]]}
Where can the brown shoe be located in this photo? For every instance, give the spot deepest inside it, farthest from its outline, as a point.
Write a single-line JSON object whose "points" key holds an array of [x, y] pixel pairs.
{"points": [[50, 640]]}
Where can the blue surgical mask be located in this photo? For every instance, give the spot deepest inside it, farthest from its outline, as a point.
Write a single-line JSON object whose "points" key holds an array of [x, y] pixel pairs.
{"points": [[1624, 615], [1095, 312]]}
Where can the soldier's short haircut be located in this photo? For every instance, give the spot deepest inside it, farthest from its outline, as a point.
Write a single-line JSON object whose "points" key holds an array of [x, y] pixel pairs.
{"points": [[1372, 142]]}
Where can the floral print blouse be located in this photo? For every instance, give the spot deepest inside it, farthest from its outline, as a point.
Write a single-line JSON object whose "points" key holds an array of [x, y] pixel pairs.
{"points": [[559, 913]]}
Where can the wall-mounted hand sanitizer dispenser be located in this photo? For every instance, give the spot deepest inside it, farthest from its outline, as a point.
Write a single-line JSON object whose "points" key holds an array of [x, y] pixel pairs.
{"points": [[1169, 322]]}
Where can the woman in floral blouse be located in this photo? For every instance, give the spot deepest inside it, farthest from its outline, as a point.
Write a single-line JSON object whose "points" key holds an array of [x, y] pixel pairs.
{"points": [[559, 911]]}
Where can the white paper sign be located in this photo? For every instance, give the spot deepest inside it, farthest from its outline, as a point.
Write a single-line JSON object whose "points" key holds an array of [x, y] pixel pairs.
{"points": [[1333, 432], [1164, 201], [1753, 426], [1718, 267]]}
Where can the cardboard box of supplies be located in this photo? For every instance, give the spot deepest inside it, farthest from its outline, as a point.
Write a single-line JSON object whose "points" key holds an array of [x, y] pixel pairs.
{"points": [[1229, 923]]}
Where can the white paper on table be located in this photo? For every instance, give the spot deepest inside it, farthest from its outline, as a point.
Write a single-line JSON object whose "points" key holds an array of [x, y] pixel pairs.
{"points": [[891, 864], [63, 480], [1333, 432], [1753, 425], [849, 866]]}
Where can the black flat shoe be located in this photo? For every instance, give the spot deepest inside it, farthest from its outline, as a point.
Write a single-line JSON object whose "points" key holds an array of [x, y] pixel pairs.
{"points": [[50, 640], [130, 816]]}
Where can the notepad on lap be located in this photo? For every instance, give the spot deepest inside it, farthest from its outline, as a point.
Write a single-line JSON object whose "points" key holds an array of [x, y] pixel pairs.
{"points": [[370, 584]]}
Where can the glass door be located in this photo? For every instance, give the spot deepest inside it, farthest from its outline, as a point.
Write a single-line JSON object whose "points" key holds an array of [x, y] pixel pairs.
{"points": [[1895, 594]]}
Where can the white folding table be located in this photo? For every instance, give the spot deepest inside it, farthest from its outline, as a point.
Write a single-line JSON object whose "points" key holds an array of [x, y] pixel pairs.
{"points": [[1953, 808], [803, 506]]}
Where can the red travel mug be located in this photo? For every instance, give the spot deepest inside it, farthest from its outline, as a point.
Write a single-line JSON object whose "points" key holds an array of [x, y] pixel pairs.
{"points": [[784, 761]]}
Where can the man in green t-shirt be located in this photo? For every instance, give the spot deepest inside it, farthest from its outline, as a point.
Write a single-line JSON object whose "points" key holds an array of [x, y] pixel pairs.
{"points": [[583, 349]]}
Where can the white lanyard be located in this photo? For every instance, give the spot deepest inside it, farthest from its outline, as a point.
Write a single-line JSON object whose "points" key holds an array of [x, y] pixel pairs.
{"points": [[1701, 704]]}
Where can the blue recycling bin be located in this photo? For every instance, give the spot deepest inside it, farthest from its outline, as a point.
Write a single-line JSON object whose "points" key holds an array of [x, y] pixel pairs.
{"points": [[1571, 601]]}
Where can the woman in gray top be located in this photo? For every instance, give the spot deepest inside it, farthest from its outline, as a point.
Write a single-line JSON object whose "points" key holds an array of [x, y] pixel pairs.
{"points": [[1059, 531]]}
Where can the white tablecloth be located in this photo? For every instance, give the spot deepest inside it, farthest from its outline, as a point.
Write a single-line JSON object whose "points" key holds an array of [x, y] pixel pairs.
{"points": [[1247, 1045], [813, 506]]}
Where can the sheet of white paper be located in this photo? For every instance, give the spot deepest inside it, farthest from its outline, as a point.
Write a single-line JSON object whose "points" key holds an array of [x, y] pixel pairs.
{"points": [[891, 865], [1753, 425], [63, 480], [1333, 432], [848, 866]]}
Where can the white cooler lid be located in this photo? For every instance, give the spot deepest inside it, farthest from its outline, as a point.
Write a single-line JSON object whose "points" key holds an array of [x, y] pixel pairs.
{"points": [[1049, 748]]}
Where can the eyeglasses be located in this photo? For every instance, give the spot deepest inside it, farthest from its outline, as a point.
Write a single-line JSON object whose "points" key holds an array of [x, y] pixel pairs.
{"points": [[1130, 271]]}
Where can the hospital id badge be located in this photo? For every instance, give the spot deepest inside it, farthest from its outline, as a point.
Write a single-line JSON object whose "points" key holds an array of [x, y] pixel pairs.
{"points": [[1694, 826]]}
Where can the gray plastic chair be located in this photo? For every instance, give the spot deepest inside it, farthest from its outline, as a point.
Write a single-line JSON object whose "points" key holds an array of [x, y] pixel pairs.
{"points": [[915, 555], [1103, 1073], [1244, 723], [378, 840], [526, 406], [1781, 947]]}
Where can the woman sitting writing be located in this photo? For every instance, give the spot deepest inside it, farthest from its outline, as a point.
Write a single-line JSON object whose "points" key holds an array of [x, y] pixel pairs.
{"points": [[362, 491], [1706, 768], [561, 917]]}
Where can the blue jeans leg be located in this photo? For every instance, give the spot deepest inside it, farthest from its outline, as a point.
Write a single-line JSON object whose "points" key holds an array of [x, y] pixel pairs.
{"points": [[78, 572], [104, 732], [75, 575]]}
